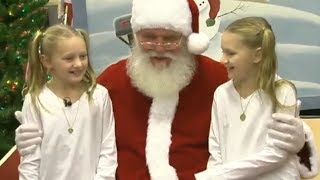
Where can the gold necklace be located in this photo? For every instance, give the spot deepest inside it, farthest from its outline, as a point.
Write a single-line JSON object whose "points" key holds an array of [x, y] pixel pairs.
{"points": [[70, 129], [243, 114]]}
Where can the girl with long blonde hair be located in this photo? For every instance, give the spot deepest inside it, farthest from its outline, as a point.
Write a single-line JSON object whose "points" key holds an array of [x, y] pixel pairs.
{"points": [[239, 145], [74, 113]]}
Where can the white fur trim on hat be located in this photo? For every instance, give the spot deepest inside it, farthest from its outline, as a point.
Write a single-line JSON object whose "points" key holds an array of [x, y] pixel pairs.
{"points": [[173, 15], [198, 43], [161, 115], [304, 171]]}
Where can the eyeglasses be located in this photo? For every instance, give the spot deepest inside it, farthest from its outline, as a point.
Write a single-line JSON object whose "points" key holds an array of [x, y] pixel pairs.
{"points": [[166, 45]]}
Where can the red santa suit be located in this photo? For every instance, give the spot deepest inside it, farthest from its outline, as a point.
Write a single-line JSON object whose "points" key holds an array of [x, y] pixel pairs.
{"points": [[188, 151]]}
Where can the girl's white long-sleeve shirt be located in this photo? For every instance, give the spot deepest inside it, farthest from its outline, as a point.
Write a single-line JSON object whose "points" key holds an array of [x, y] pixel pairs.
{"points": [[88, 153], [242, 149]]}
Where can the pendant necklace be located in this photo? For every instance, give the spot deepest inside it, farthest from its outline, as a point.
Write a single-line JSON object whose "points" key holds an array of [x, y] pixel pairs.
{"points": [[70, 129], [243, 114]]}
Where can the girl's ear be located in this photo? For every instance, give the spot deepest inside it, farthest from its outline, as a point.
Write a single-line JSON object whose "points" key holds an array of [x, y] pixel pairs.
{"points": [[45, 61], [258, 55]]}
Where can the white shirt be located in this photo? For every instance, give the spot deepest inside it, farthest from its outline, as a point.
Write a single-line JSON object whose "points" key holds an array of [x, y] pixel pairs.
{"points": [[241, 149], [89, 153]]}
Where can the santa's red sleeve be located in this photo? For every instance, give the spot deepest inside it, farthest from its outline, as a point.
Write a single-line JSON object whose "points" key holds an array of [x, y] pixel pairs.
{"points": [[308, 157]]}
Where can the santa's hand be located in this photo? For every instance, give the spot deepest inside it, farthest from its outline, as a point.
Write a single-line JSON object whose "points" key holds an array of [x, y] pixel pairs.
{"points": [[287, 132], [28, 136]]}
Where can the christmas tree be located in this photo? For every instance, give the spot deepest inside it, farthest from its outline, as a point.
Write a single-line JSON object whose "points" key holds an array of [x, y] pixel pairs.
{"points": [[19, 20]]}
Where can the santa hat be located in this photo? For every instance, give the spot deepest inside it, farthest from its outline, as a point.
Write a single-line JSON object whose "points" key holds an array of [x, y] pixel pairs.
{"points": [[178, 15]]}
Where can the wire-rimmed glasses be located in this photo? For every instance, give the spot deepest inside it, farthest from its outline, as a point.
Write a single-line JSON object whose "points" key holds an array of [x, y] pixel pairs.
{"points": [[171, 45]]}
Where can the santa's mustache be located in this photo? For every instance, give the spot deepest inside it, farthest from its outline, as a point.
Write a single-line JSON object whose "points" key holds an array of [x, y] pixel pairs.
{"points": [[161, 56]]}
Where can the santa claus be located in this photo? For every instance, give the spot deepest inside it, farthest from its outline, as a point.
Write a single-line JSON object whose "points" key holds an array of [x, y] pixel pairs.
{"points": [[162, 96]]}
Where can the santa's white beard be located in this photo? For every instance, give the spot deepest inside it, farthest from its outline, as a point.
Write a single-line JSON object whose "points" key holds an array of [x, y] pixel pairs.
{"points": [[160, 82]]}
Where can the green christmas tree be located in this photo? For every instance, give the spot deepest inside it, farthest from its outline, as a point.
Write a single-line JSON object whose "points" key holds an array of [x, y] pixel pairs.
{"points": [[19, 20]]}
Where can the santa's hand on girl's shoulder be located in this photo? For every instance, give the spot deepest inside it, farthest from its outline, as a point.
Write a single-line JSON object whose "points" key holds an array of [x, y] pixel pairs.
{"points": [[28, 136], [287, 132]]}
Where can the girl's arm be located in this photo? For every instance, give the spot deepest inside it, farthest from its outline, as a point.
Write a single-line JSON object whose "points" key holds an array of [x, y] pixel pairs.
{"points": [[250, 167], [30, 163], [107, 164], [215, 158]]}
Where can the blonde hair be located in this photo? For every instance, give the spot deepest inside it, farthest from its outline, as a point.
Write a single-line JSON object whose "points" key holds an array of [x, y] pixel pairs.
{"points": [[45, 44], [256, 32]]}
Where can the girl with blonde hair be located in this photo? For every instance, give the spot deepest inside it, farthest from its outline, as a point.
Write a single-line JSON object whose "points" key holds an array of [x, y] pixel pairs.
{"points": [[74, 113], [239, 143]]}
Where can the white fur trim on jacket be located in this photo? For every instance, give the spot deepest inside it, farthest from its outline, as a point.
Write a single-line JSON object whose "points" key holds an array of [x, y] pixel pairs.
{"points": [[158, 141], [304, 171]]}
